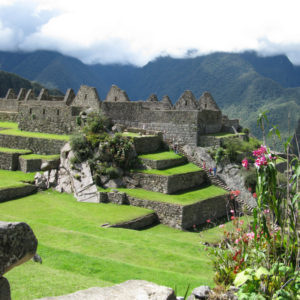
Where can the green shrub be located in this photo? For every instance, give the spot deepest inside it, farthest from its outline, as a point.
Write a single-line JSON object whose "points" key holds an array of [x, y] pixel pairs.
{"points": [[96, 122], [80, 146]]}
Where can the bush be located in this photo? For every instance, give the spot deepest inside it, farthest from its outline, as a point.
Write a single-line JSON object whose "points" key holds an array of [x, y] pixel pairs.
{"points": [[81, 147]]}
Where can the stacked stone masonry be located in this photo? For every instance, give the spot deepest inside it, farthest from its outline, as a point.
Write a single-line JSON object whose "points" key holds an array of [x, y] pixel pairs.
{"points": [[184, 122]]}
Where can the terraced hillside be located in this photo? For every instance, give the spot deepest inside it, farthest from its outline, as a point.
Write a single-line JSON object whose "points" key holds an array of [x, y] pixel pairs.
{"points": [[79, 251]]}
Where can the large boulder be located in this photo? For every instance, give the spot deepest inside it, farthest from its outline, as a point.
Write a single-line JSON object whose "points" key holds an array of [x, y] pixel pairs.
{"points": [[17, 245], [128, 290]]}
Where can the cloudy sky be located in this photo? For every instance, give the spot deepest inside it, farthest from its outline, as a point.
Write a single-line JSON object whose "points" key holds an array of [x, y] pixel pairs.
{"points": [[137, 31]]}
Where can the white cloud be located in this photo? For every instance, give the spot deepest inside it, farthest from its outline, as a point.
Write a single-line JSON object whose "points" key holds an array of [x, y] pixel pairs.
{"points": [[136, 31]]}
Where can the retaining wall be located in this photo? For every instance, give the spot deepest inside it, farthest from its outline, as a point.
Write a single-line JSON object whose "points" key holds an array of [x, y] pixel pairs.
{"points": [[184, 217], [163, 164], [10, 161], [170, 184], [11, 193], [36, 145]]}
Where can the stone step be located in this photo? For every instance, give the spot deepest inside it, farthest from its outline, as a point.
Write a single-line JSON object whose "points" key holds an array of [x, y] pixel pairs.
{"points": [[36, 162], [170, 184], [160, 161]]}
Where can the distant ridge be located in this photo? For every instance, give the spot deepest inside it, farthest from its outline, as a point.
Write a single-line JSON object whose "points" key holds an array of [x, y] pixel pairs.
{"points": [[242, 84]]}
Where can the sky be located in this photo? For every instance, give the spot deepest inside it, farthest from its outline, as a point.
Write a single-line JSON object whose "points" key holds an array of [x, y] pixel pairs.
{"points": [[138, 31]]}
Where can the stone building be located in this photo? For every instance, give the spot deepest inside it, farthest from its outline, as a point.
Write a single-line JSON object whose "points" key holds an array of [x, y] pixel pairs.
{"points": [[184, 122]]}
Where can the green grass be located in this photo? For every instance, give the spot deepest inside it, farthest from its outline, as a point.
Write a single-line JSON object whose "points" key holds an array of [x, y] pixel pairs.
{"points": [[38, 156], [78, 253], [187, 168], [14, 178], [12, 125], [185, 198], [40, 135], [10, 150], [131, 134], [225, 134], [161, 155]]}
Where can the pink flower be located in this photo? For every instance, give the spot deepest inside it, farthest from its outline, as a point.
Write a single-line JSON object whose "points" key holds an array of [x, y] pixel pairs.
{"points": [[263, 149], [266, 211], [222, 225], [245, 163], [261, 161], [250, 235], [232, 211], [271, 157], [249, 189], [241, 222], [232, 217], [237, 241], [254, 195], [208, 221]]}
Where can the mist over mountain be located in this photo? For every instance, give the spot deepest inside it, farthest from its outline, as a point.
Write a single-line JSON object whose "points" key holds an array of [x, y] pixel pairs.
{"points": [[241, 83]]}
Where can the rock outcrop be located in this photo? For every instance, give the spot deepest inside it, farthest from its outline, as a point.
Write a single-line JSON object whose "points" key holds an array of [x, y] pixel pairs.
{"points": [[17, 245], [129, 290]]}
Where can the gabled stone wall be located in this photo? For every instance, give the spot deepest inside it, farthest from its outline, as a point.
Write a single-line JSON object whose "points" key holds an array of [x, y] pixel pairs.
{"points": [[183, 123]]}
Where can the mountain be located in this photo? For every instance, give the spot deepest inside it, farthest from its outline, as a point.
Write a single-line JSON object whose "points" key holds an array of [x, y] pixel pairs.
{"points": [[10, 80], [243, 84]]}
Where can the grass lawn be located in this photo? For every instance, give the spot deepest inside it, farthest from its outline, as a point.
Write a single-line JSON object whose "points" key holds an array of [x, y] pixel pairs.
{"points": [[14, 178], [187, 168], [11, 150], [37, 156], [184, 198], [78, 253], [161, 155], [8, 125], [40, 135]]}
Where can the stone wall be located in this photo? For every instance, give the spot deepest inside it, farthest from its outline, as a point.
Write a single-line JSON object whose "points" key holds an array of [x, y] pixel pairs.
{"points": [[185, 216], [147, 144], [49, 117], [163, 164], [139, 223], [198, 213], [10, 161], [30, 165], [170, 184], [11, 193], [36, 145], [8, 116], [168, 214]]}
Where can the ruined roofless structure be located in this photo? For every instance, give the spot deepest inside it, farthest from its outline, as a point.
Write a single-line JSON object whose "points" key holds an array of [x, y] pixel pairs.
{"points": [[185, 122]]}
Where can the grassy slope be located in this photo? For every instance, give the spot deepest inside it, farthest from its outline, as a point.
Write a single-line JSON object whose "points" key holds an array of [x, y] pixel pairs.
{"points": [[77, 253], [12, 125], [184, 198], [13, 178]]}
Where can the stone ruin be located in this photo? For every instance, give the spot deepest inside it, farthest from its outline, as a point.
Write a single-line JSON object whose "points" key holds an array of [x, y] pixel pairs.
{"points": [[184, 122]]}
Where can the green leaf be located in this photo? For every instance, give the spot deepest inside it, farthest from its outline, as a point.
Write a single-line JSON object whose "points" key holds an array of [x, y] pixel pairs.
{"points": [[261, 272], [241, 278]]}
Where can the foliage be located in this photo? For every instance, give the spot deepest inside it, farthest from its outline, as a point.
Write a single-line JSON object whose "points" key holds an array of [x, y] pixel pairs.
{"points": [[263, 260], [105, 153]]}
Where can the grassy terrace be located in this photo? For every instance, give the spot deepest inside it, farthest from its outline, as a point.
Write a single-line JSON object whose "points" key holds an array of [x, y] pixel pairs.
{"points": [[40, 135], [11, 150], [12, 125], [37, 156], [161, 155], [185, 198], [78, 253], [14, 178], [187, 168], [225, 134]]}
